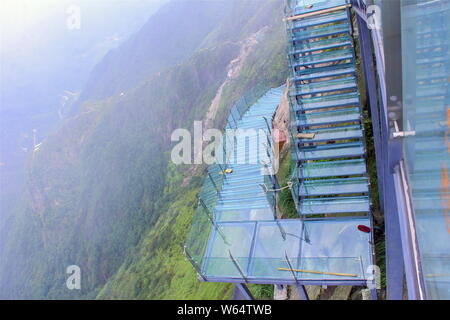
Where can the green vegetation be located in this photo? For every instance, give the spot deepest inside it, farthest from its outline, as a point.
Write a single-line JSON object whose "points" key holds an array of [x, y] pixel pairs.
{"points": [[97, 186], [262, 291], [285, 201], [159, 270], [173, 276]]}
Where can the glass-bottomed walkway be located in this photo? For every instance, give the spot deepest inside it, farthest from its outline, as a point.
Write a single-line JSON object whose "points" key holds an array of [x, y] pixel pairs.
{"points": [[236, 235]]}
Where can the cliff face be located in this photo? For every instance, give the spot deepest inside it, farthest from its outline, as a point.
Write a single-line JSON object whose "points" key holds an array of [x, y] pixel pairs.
{"points": [[102, 193]]}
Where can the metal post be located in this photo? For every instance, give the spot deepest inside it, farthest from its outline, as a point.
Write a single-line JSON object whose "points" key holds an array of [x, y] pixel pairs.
{"points": [[245, 101], [269, 142], [243, 289], [268, 126], [203, 204], [194, 264], [300, 288], [214, 184], [302, 292], [221, 169], [290, 266], [283, 233], [373, 294], [225, 147], [236, 264], [234, 119], [211, 220]]}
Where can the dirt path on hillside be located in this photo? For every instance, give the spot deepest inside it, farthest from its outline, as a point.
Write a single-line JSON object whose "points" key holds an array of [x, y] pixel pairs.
{"points": [[233, 71]]}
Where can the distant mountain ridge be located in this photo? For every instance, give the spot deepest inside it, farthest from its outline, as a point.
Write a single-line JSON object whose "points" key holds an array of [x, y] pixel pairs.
{"points": [[172, 34]]}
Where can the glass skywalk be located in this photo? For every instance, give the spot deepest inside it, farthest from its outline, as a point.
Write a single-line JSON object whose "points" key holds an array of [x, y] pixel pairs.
{"points": [[236, 234]]}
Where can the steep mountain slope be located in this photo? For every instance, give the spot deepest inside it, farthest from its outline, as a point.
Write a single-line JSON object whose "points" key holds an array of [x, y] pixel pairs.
{"points": [[43, 65], [95, 184], [158, 268], [103, 194]]}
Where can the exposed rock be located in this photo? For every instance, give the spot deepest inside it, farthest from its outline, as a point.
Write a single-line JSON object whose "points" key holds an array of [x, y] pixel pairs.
{"points": [[313, 292], [282, 117], [280, 292], [336, 293]]}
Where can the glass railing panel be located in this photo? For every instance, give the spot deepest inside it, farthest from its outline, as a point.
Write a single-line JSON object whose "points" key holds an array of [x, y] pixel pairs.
{"points": [[234, 195], [426, 91], [337, 238], [197, 238], [335, 205], [245, 214], [330, 268], [229, 240]]}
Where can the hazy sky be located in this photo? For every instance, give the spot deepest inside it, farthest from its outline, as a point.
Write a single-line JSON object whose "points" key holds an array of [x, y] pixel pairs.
{"points": [[17, 16]]}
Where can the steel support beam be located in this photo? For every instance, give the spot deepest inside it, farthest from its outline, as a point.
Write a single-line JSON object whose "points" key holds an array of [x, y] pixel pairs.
{"points": [[395, 269], [365, 46], [411, 257]]}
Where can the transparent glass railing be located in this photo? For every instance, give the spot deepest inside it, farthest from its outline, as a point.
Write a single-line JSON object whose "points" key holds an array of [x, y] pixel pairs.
{"points": [[222, 193], [426, 91], [285, 249], [281, 268]]}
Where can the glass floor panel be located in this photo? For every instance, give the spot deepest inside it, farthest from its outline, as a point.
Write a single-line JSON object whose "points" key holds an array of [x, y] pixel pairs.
{"points": [[321, 32], [336, 247], [330, 55], [351, 99], [334, 134], [326, 72], [333, 186], [351, 151], [229, 238], [321, 44], [322, 19], [327, 250], [330, 85], [245, 215], [334, 168], [318, 118], [335, 205]]}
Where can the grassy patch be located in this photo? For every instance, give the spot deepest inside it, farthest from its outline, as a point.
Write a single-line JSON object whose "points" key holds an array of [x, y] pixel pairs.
{"points": [[262, 291], [286, 203]]}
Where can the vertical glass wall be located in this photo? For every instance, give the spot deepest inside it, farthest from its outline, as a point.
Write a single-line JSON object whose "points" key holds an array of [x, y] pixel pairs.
{"points": [[425, 31]]}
